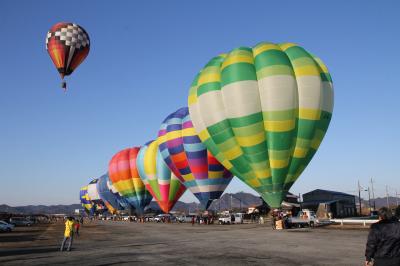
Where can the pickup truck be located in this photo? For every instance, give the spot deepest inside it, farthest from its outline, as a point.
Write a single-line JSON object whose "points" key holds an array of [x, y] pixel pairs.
{"points": [[304, 218]]}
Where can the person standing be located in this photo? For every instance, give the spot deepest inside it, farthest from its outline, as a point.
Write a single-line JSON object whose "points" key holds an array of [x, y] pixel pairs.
{"points": [[273, 220], [68, 234], [77, 226], [383, 245]]}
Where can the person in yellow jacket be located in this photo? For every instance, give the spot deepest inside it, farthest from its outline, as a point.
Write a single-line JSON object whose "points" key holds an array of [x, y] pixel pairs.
{"points": [[68, 233]]}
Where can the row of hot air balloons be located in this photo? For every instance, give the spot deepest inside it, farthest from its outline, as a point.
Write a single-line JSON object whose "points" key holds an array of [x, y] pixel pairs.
{"points": [[258, 113], [161, 169], [100, 195]]}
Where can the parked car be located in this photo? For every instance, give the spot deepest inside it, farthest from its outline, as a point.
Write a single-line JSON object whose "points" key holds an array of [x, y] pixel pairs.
{"points": [[126, 218], [20, 221], [6, 227], [186, 218], [149, 218], [160, 217], [225, 219]]}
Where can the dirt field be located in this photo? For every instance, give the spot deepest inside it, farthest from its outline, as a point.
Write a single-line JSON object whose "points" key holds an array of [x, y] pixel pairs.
{"points": [[109, 243]]}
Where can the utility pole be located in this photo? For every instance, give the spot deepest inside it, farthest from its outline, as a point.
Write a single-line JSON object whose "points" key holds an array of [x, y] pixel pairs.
{"points": [[300, 201], [373, 193], [397, 198], [231, 203], [369, 202], [359, 196], [387, 196]]}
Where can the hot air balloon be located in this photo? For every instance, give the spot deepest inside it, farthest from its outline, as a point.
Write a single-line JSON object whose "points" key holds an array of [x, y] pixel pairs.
{"points": [[122, 202], [93, 193], [106, 195], [158, 179], [68, 44], [263, 113], [189, 160], [110, 195], [125, 178], [85, 200]]}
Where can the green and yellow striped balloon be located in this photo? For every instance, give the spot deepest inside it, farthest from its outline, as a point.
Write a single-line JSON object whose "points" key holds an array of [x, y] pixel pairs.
{"points": [[263, 112]]}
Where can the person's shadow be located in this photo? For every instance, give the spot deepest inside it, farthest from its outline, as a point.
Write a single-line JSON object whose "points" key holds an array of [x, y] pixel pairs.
{"points": [[26, 251]]}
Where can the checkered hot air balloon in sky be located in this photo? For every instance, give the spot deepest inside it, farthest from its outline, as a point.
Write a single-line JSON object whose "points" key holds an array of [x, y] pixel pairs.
{"points": [[68, 44], [263, 112], [165, 187], [124, 175], [189, 160]]}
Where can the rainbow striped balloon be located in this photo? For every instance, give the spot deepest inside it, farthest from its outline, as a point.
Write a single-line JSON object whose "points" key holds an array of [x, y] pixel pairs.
{"points": [[263, 113], [158, 179], [189, 160], [125, 178]]}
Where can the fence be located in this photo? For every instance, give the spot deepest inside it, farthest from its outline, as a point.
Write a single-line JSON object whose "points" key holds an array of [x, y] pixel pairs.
{"points": [[364, 222]]}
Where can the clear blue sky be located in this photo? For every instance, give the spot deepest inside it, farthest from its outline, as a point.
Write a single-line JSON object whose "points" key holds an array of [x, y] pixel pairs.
{"points": [[144, 55]]}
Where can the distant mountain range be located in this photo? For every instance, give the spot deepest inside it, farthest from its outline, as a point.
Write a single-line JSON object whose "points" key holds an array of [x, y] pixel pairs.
{"points": [[42, 209], [379, 202], [240, 200], [226, 202]]}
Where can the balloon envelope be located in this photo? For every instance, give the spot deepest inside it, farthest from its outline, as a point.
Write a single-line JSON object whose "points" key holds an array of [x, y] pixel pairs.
{"points": [[189, 160], [109, 199], [68, 45], [85, 200], [263, 113], [158, 178], [122, 202], [94, 196], [124, 175]]}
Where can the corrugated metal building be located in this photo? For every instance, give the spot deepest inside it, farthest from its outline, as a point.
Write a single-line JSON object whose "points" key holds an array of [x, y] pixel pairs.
{"points": [[328, 203]]}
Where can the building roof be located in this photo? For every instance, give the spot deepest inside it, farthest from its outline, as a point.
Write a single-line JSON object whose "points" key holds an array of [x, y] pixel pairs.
{"points": [[330, 192], [316, 202]]}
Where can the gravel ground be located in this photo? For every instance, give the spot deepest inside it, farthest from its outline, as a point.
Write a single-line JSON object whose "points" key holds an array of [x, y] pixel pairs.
{"points": [[124, 243]]}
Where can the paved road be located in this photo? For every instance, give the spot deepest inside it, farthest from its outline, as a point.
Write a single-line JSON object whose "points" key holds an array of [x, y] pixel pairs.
{"points": [[119, 243]]}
